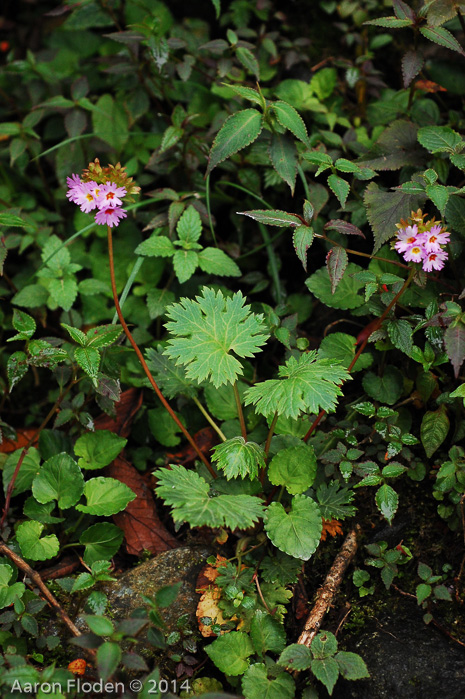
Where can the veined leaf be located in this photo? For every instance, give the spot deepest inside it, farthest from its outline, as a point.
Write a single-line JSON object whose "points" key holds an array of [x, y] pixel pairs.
{"points": [[302, 239], [306, 384], [256, 685], [340, 188], [215, 261], [334, 501], [238, 458], [290, 119], [34, 547], [283, 156], [295, 468], [230, 652], [454, 342], [208, 330], [188, 494], [385, 209], [412, 63], [171, 378], [273, 218], [443, 37], [336, 262], [343, 227], [434, 428], [247, 93], [298, 532], [439, 139], [390, 22], [238, 131]]}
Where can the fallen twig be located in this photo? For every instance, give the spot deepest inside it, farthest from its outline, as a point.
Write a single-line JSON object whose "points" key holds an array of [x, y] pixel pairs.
{"points": [[330, 586]]}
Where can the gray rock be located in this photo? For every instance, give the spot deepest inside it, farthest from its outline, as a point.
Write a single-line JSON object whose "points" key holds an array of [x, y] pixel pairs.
{"points": [[407, 660]]}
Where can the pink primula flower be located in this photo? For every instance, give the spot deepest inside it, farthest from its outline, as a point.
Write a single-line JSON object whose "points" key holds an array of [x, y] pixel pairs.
{"points": [[434, 260], [414, 253], [110, 216], [433, 239], [110, 195], [87, 196], [406, 237]]}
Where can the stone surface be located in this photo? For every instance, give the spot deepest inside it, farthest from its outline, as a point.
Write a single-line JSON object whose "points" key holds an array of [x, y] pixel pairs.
{"points": [[406, 659]]}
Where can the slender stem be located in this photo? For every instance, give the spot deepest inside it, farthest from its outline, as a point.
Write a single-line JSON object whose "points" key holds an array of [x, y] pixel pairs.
{"points": [[365, 254], [270, 433], [207, 200], [128, 285], [209, 418], [25, 450], [374, 326], [304, 181], [141, 359], [273, 262], [239, 410]]}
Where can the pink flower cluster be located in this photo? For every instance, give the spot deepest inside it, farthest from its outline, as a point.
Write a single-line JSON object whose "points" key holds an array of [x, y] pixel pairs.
{"points": [[424, 245], [106, 198]]}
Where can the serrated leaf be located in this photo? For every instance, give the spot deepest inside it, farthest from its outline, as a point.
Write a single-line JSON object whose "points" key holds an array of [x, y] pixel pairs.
{"points": [[396, 146], [238, 458], [63, 291], [412, 63], [326, 670], [390, 22], [344, 165], [215, 261], [273, 217], [249, 61], [34, 547], [423, 591], [189, 226], [106, 496], [306, 384], [185, 262], [439, 195], [346, 294], [351, 665], [400, 334], [334, 501], [247, 93], [16, 367], [188, 494], [230, 652], [302, 239], [88, 359], [24, 324], [295, 468], [296, 657], [283, 156], [316, 157], [290, 119], [238, 131], [297, 532], [27, 472], [439, 139], [386, 388], [281, 568], [387, 501], [101, 542], [158, 300], [341, 347], [340, 188], [434, 428], [385, 209], [454, 343], [402, 10], [156, 246], [443, 37], [59, 479], [98, 449], [206, 332], [103, 335], [343, 227], [170, 378], [76, 334], [267, 633], [11, 220], [256, 685], [336, 263]]}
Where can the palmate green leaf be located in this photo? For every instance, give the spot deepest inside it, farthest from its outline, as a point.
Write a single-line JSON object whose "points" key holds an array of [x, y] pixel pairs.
{"points": [[283, 156], [256, 685], [59, 479], [295, 468], [206, 331], [238, 458], [306, 384], [106, 496], [32, 546], [334, 501], [231, 652], [170, 378], [188, 494], [238, 131], [281, 568], [297, 532]]}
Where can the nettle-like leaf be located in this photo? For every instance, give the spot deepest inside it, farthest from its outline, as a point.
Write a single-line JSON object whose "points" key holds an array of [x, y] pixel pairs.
{"points": [[296, 657], [206, 332], [443, 37], [334, 501], [238, 458], [290, 119], [267, 633], [257, 685], [297, 532], [170, 378], [439, 139], [188, 494], [295, 468], [302, 239], [385, 209], [34, 547], [454, 343], [230, 652], [306, 384], [273, 217], [238, 131], [434, 428]]}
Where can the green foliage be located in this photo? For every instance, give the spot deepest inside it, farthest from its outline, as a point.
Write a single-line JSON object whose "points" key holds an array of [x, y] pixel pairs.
{"points": [[298, 531], [238, 458]]}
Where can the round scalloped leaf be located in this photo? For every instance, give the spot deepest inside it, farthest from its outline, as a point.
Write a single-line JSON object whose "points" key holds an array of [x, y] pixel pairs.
{"points": [[256, 685], [296, 657], [32, 546], [238, 458], [295, 468], [346, 294], [298, 531], [230, 652], [59, 479], [106, 496]]}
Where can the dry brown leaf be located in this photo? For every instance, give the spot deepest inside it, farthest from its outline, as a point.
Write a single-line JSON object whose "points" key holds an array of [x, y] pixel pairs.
{"points": [[331, 527]]}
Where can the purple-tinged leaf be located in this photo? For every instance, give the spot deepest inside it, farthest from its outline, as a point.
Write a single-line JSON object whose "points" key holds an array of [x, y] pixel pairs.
{"points": [[385, 209], [343, 227], [302, 239], [443, 37], [336, 262], [412, 63], [403, 11], [454, 341], [309, 212], [273, 217]]}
